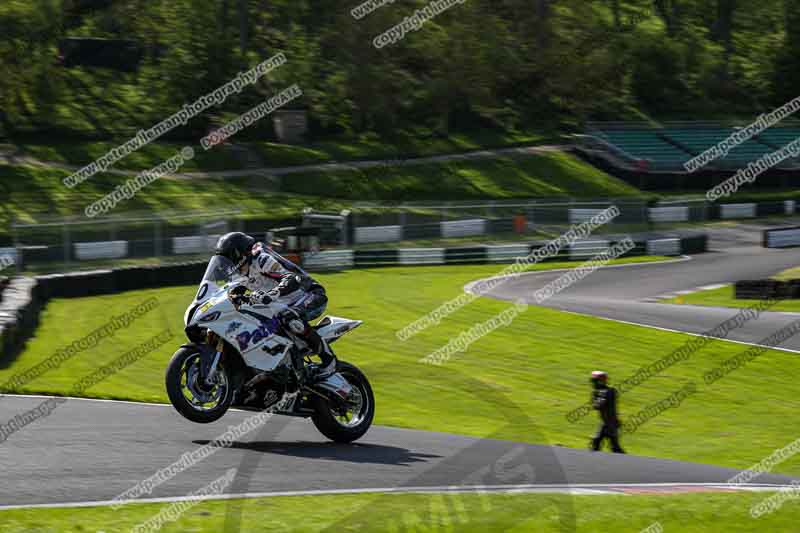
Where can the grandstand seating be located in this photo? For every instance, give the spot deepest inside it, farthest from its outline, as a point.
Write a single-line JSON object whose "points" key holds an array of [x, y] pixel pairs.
{"points": [[780, 137], [639, 144], [698, 140], [667, 148]]}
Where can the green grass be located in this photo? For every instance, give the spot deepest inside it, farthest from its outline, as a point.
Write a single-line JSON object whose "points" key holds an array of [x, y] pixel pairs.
{"points": [[365, 147], [789, 273], [403, 146], [552, 174], [518, 513], [540, 363], [148, 156], [30, 192]]}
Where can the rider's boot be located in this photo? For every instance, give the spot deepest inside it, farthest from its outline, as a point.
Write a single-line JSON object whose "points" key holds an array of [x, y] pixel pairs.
{"points": [[318, 372]]}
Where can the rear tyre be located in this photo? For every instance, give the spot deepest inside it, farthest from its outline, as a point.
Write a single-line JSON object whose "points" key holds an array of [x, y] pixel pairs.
{"points": [[351, 421], [189, 395]]}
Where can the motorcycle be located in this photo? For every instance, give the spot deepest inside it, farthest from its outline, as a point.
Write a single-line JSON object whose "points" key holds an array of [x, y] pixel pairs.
{"points": [[241, 356]]}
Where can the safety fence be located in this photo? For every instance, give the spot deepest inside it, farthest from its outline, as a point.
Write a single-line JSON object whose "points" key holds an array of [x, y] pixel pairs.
{"points": [[345, 259], [781, 237], [531, 216], [60, 242]]}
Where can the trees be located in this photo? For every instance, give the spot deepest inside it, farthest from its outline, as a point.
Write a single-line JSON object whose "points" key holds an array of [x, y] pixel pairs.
{"points": [[503, 62]]}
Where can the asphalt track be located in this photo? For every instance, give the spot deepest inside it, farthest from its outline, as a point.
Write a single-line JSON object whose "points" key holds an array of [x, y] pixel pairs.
{"points": [[628, 293], [91, 451]]}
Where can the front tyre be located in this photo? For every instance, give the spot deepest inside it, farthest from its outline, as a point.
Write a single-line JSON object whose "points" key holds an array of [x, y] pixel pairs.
{"points": [[351, 420], [190, 396]]}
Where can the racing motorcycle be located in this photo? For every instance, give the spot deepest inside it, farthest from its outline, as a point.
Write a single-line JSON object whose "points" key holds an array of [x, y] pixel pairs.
{"points": [[241, 356]]}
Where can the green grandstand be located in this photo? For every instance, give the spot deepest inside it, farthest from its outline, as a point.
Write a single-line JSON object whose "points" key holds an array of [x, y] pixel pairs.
{"points": [[668, 147]]}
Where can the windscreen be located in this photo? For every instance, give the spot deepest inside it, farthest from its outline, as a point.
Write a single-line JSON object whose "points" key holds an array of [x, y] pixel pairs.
{"points": [[220, 271]]}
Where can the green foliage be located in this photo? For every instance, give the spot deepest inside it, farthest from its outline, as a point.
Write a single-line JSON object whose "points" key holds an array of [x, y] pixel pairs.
{"points": [[481, 63]]}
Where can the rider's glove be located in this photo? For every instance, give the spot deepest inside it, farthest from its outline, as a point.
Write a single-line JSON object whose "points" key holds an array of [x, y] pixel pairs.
{"points": [[239, 295], [292, 319], [262, 297], [274, 293]]}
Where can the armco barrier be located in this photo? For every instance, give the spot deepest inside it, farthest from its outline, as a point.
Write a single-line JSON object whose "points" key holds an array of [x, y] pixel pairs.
{"points": [[19, 315], [329, 260], [694, 245], [577, 216], [421, 256], [728, 211], [506, 253], [587, 249], [101, 250], [197, 244], [371, 234], [762, 289], [430, 230], [463, 228], [499, 225], [664, 247], [473, 254], [781, 237], [372, 258], [765, 209], [669, 214]]}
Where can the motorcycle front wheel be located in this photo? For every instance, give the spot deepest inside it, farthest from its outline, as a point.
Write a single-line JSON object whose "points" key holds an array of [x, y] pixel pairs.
{"points": [[190, 395]]}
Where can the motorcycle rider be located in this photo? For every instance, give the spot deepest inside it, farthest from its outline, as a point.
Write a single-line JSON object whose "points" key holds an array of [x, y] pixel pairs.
{"points": [[604, 399], [273, 277]]}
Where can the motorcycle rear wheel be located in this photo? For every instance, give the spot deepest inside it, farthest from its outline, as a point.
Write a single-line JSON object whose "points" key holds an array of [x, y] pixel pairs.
{"points": [[349, 424]]}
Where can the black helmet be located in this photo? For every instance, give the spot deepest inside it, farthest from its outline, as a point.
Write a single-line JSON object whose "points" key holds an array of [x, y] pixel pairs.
{"points": [[237, 247], [599, 378]]}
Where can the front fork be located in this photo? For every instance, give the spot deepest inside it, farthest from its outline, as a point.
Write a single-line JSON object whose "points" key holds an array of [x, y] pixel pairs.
{"points": [[211, 337]]}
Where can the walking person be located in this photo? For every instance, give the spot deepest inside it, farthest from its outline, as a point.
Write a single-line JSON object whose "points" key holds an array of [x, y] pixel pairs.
{"points": [[604, 399]]}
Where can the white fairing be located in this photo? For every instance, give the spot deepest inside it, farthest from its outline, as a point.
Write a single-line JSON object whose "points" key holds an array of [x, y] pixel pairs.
{"points": [[251, 329], [336, 328]]}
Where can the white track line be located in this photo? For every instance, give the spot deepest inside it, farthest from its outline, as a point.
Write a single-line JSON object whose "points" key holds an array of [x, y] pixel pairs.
{"points": [[577, 489]]}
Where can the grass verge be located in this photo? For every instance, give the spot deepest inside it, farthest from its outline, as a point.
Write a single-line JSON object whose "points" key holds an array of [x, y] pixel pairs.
{"points": [[334, 149], [517, 513], [31, 193], [540, 362], [551, 174]]}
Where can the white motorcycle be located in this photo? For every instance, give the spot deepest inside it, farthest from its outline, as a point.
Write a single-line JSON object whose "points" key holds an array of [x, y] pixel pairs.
{"points": [[240, 355]]}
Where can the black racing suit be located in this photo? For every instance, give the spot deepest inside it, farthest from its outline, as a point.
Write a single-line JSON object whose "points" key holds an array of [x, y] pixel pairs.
{"points": [[604, 399], [279, 279]]}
